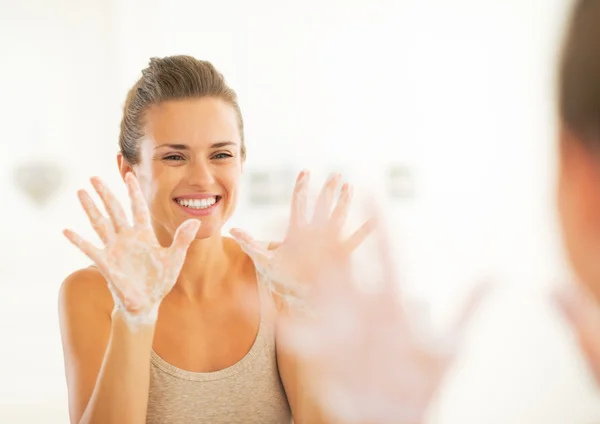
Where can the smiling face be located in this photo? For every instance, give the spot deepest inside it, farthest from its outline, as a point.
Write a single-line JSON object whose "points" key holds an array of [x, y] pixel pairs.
{"points": [[190, 164]]}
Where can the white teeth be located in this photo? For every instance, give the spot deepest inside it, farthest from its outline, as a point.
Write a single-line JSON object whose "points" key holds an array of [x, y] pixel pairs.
{"points": [[197, 203]]}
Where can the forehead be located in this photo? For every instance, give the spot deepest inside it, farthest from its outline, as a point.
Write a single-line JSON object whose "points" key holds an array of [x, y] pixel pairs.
{"points": [[194, 122]]}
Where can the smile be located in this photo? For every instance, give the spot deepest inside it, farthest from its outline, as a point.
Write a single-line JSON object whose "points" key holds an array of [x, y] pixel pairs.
{"points": [[204, 203]]}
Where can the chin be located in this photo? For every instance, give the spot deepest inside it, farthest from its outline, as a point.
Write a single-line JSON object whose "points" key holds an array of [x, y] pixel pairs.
{"points": [[208, 230]]}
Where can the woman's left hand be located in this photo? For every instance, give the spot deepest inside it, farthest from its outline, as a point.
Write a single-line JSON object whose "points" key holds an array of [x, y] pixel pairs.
{"points": [[317, 240], [367, 358]]}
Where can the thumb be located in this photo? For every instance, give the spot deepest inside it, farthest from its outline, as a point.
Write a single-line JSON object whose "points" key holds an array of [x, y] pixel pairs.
{"points": [[253, 248], [445, 345], [474, 300], [184, 235]]}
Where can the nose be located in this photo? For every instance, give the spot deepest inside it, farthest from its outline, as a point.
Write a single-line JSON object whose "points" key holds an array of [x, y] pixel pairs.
{"points": [[200, 175]]}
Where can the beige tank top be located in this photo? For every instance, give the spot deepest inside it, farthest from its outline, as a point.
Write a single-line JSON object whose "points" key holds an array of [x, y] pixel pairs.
{"points": [[248, 392]]}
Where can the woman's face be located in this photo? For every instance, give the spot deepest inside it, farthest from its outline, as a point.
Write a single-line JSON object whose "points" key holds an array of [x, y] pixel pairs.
{"points": [[190, 164]]}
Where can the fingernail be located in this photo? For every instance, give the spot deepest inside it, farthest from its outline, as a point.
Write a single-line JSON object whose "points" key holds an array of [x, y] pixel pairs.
{"points": [[348, 190], [97, 183], [333, 176], [303, 175]]}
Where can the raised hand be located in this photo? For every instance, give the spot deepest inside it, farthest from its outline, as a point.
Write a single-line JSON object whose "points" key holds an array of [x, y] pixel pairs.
{"points": [[362, 356], [139, 271], [582, 312], [317, 240]]}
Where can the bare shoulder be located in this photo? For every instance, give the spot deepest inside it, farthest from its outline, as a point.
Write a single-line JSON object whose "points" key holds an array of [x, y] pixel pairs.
{"points": [[85, 290], [85, 307]]}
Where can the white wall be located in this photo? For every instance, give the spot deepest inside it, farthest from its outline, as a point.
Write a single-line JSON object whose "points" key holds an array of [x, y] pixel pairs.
{"points": [[459, 90]]}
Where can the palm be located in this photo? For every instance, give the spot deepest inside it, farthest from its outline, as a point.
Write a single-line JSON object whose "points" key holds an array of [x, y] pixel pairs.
{"points": [[139, 271], [311, 245], [362, 356], [315, 252], [145, 261]]}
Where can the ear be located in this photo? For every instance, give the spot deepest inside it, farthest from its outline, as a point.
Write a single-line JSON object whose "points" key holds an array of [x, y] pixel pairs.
{"points": [[124, 166]]}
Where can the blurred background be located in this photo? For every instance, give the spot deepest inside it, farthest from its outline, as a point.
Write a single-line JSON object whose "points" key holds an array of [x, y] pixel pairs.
{"points": [[443, 108]]}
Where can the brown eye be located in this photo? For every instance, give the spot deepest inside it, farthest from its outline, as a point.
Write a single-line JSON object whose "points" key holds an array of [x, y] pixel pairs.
{"points": [[173, 157]]}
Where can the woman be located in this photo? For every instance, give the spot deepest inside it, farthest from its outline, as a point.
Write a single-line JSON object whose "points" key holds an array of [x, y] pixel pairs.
{"points": [[158, 330]]}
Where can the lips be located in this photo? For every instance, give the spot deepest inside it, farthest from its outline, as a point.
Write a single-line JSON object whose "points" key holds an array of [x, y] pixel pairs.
{"points": [[197, 203]]}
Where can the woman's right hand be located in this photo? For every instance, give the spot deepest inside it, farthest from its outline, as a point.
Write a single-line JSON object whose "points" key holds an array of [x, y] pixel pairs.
{"points": [[138, 270], [364, 355]]}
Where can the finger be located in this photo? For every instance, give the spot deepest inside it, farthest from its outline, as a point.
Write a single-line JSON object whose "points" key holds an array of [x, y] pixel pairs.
{"points": [[139, 207], [256, 250], [384, 248], [274, 245], [325, 200], [357, 238], [340, 212], [111, 204], [474, 299], [185, 234], [300, 200], [100, 223], [86, 247]]}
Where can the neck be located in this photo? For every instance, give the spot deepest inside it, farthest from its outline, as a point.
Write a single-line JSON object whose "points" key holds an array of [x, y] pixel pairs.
{"points": [[204, 268]]}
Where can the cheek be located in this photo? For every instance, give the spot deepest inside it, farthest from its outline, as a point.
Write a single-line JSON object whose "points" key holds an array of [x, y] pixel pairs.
{"points": [[156, 184], [231, 182]]}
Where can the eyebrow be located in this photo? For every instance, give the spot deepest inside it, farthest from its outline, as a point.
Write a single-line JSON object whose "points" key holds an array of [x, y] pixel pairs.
{"points": [[218, 145]]}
